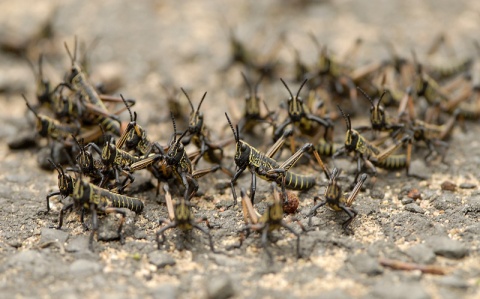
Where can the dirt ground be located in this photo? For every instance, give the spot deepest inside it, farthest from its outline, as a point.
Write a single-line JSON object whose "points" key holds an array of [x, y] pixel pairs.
{"points": [[186, 44]]}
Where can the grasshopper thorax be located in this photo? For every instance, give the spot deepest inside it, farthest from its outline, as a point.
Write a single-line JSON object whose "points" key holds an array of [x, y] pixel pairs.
{"points": [[74, 72], [175, 153], [85, 160], [42, 125], [65, 184], [134, 137], [81, 192], [377, 117], [109, 152], [352, 138], [334, 191], [242, 153], [195, 124]]}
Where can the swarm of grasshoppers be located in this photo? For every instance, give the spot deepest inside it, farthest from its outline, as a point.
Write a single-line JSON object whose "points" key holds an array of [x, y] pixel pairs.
{"points": [[412, 105]]}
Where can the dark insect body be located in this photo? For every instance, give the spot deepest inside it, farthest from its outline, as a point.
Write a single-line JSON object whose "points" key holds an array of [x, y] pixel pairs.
{"points": [[99, 200], [266, 168]]}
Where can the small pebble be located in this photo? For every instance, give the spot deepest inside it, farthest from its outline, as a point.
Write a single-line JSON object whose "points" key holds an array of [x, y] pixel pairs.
{"points": [[23, 140], [140, 234], [472, 205], [414, 194], [220, 287], [161, 259], [51, 235], [227, 214], [419, 168], [24, 257], [421, 254], [78, 244], [377, 194], [84, 268], [447, 247], [398, 290], [16, 243], [108, 229], [467, 186], [473, 229], [164, 291], [429, 195], [222, 184], [476, 193], [448, 185], [407, 200], [291, 206], [364, 263], [414, 208], [446, 201], [453, 281]]}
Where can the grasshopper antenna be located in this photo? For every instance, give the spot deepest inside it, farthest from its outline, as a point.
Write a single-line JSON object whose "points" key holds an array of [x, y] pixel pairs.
{"points": [[235, 133]]}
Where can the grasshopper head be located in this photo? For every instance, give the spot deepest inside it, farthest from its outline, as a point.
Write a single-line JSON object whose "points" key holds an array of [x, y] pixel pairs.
{"points": [[84, 159], [296, 109], [75, 69], [351, 137], [109, 152], [176, 149], [252, 100], [195, 123], [377, 112], [65, 181], [242, 149]]}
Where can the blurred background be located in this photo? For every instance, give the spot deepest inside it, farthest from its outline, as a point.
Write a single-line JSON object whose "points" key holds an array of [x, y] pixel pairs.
{"points": [[187, 43], [137, 47]]}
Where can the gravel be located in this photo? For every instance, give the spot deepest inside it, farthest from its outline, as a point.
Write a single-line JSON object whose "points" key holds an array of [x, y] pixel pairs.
{"points": [[421, 254], [447, 247], [414, 208], [84, 268], [365, 264], [161, 259], [219, 286], [164, 291], [398, 291], [50, 235]]}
